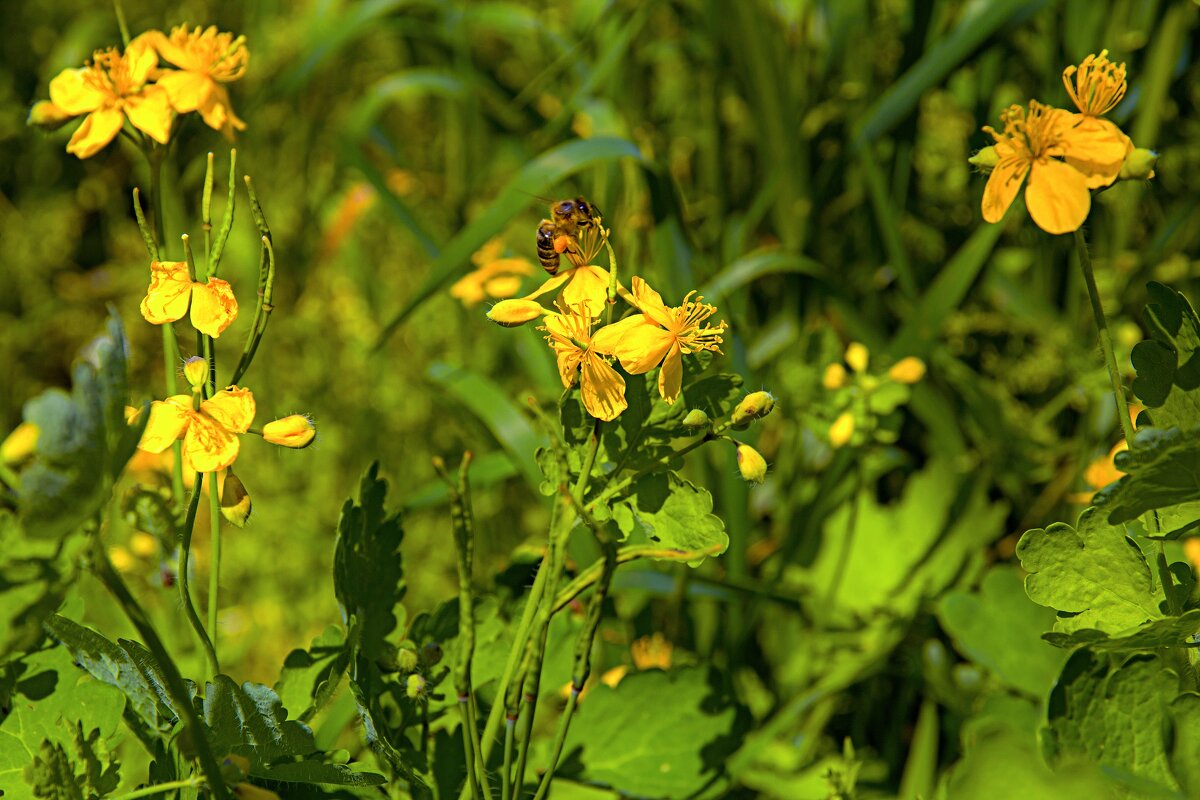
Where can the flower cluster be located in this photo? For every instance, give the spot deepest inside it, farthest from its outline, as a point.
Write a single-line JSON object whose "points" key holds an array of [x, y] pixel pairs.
{"points": [[1061, 156], [495, 276], [155, 78], [861, 401]]}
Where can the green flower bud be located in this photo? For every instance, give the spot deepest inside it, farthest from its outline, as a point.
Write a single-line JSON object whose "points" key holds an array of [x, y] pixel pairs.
{"points": [[696, 418], [47, 116], [751, 464], [1139, 165], [407, 658], [415, 686], [755, 405], [986, 159]]}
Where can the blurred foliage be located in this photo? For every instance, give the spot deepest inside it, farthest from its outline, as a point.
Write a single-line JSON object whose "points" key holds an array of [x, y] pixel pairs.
{"points": [[803, 159]]}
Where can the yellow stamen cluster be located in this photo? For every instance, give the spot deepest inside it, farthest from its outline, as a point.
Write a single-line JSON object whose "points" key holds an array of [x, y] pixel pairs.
{"points": [[221, 55], [1096, 85]]}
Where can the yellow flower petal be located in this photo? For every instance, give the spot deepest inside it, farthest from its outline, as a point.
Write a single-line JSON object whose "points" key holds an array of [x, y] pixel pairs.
{"points": [[233, 408], [642, 347], [187, 91], [98, 129], [602, 388], [607, 339], [141, 58], [1003, 184], [650, 302], [208, 446], [503, 286], [1097, 148], [150, 112], [1057, 197], [551, 284], [670, 377], [588, 286], [71, 93], [168, 420], [169, 292], [218, 113], [214, 308]]}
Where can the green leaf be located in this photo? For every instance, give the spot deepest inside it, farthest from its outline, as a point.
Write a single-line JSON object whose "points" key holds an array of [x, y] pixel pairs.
{"points": [[674, 513], [51, 698], [1001, 764], [753, 266], [127, 665], [998, 628], [1115, 718], [533, 179], [1166, 632], [35, 575], [250, 721], [1185, 742], [1168, 364], [491, 404], [657, 734], [53, 774], [1093, 575], [368, 575], [1162, 469], [310, 677]]}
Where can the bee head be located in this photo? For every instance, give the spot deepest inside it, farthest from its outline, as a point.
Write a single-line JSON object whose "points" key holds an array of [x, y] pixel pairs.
{"points": [[563, 209]]}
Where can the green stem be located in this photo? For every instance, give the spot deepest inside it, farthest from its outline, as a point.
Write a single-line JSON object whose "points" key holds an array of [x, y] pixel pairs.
{"points": [[506, 791], [473, 730], [175, 686], [1114, 376], [655, 466], [214, 572], [847, 546], [124, 28], [147, 791], [626, 554], [185, 592], [468, 748]]}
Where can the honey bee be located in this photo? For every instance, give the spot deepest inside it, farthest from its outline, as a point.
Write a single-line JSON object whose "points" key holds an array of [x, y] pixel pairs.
{"points": [[574, 228]]}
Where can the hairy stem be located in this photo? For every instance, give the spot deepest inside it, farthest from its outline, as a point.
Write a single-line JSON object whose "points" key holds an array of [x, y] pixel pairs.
{"points": [[184, 581], [214, 571]]}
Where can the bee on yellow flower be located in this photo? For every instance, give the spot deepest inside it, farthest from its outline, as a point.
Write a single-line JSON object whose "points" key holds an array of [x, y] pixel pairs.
{"points": [[660, 334], [172, 293], [569, 334], [113, 87], [207, 60], [209, 434]]}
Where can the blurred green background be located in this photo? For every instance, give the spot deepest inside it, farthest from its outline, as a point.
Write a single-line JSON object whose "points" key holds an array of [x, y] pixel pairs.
{"points": [[804, 161]]}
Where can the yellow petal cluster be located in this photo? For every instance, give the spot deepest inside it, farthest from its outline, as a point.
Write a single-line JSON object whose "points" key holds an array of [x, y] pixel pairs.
{"points": [[1060, 156], [172, 293], [569, 334], [134, 86], [209, 433]]}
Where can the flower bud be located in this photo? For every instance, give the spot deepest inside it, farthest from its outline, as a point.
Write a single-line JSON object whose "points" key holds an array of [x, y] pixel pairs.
{"points": [[143, 544], [751, 464], [414, 686], [755, 405], [512, 313], [986, 159], [47, 116], [1139, 165], [857, 356], [235, 769], [842, 429], [195, 369], [120, 558], [296, 431], [835, 377], [406, 657], [1191, 551], [696, 418], [235, 501], [20, 445], [907, 370]]}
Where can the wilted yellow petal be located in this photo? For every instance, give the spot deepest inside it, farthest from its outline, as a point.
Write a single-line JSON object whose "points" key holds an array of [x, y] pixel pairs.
{"points": [[169, 292], [98, 129], [1057, 197], [168, 420], [233, 408], [208, 446], [214, 308]]}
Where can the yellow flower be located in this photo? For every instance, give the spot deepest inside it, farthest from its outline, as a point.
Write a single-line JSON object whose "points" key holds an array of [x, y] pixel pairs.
{"points": [[20, 445], [652, 652], [834, 377], [842, 429], [111, 88], [172, 291], [907, 370], [499, 278], [296, 431], [1103, 471], [660, 335], [209, 435], [586, 285], [601, 387], [206, 59], [1032, 145], [1096, 86], [858, 356]]}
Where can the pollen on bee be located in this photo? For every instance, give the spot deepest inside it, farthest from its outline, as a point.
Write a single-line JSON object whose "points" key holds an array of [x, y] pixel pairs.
{"points": [[562, 244]]}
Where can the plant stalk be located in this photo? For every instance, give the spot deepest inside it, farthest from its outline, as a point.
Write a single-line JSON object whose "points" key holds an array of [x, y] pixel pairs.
{"points": [[214, 572]]}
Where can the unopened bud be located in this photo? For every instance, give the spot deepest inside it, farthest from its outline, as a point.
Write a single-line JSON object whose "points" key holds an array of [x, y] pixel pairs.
{"points": [[512, 313], [143, 544], [858, 356], [986, 159], [20, 445], [755, 405], [406, 657], [835, 377], [235, 501], [47, 116], [696, 418], [842, 429], [195, 369], [414, 686], [751, 464], [431, 654], [907, 370], [1139, 165], [296, 431]]}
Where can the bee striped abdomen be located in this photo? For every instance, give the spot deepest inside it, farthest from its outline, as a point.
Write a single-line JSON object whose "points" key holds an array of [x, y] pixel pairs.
{"points": [[545, 247]]}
